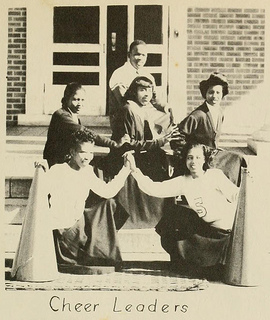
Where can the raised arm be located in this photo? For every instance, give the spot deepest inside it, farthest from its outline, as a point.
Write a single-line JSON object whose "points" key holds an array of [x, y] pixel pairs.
{"points": [[126, 124], [164, 189], [110, 189], [105, 142]]}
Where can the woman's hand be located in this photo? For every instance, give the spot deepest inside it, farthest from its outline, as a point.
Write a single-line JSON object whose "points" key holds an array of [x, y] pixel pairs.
{"points": [[129, 160], [173, 134], [41, 164], [124, 139]]}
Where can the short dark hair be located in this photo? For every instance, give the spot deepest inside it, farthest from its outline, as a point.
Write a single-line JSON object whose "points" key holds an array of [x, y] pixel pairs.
{"points": [[70, 90], [141, 81], [215, 79], [81, 136], [190, 145], [136, 43]]}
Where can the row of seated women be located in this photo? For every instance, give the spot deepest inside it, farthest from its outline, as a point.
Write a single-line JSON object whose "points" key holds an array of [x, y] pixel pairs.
{"points": [[192, 211]]}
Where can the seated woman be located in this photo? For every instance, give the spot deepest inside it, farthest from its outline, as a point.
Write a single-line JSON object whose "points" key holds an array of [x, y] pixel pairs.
{"points": [[88, 239], [140, 210], [204, 123], [195, 229], [133, 120], [81, 237], [66, 120], [204, 126]]}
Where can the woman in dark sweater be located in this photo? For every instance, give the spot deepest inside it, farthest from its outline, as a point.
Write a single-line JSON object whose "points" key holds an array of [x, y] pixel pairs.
{"points": [[133, 120], [64, 121]]}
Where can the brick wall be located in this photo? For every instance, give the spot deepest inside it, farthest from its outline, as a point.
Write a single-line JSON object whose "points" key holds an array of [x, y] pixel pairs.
{"points": [[227, 40], [16, 67]]}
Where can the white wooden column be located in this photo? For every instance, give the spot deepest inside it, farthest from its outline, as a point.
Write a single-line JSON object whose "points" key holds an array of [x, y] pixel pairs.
{"points": [[177, 69], [38, 55], [260, 141], [260, 144]]}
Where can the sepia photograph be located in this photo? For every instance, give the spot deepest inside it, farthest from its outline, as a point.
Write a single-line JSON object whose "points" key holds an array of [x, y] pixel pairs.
{"points": [[135, 150]]}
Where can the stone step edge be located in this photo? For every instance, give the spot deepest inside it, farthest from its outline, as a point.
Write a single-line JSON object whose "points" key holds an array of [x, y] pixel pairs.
{"points": [[129, 256], [103, 120], [38, 138], [44, 120], [123, 231], [38, 145]]}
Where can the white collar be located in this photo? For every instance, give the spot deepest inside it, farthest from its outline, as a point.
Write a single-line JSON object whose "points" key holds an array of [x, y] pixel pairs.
{"points": [[130, 66], [212, 109]]}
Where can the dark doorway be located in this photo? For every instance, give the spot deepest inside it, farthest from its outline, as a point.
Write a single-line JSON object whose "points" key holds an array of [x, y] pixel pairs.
{"points": [[116, 40]]}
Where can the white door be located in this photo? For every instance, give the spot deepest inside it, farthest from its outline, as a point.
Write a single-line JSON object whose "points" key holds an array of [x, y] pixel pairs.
{"points": [[83, 49], [77, 54]]}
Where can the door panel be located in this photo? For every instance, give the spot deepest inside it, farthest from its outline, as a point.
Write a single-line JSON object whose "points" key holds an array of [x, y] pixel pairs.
{"points": [[151, 26], [76, 24], [78, 52], [148, 23]]}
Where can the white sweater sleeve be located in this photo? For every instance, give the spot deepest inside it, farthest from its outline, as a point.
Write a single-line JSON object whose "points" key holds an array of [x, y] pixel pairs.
{"points": [[164, 189], [110, 189]]}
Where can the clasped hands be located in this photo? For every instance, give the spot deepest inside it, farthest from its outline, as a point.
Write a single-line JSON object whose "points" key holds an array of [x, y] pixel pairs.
{"points": [[123, 140], [129, 160]]}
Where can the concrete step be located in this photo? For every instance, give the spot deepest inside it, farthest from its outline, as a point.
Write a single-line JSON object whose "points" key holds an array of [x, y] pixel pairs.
{"points": [[44, 120], [135, 244], [24, 149], [38, 137], [35, 144], [38, 140], [38, 134], [21, 150]]}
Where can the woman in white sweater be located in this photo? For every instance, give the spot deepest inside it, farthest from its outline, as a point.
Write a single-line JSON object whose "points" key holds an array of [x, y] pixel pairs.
{"points": [[205, 205], [81, 237]]}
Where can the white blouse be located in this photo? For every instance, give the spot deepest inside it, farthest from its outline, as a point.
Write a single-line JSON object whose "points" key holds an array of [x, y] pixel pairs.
{"points": [[70, 188]]}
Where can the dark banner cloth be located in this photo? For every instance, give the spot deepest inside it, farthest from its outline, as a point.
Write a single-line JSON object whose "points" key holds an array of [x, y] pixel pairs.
{"points": [[229, 162], [143, 211], [92, 240], [186, 237], [135, 210]]}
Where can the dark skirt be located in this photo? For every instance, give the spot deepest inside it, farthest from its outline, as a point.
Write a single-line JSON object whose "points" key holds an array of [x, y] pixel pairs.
{"points": [[188, 238], [92, 240], [139, 210]]}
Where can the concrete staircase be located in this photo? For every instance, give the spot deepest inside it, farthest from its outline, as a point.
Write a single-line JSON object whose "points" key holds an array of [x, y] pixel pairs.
{"points": [[24, 145]]}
